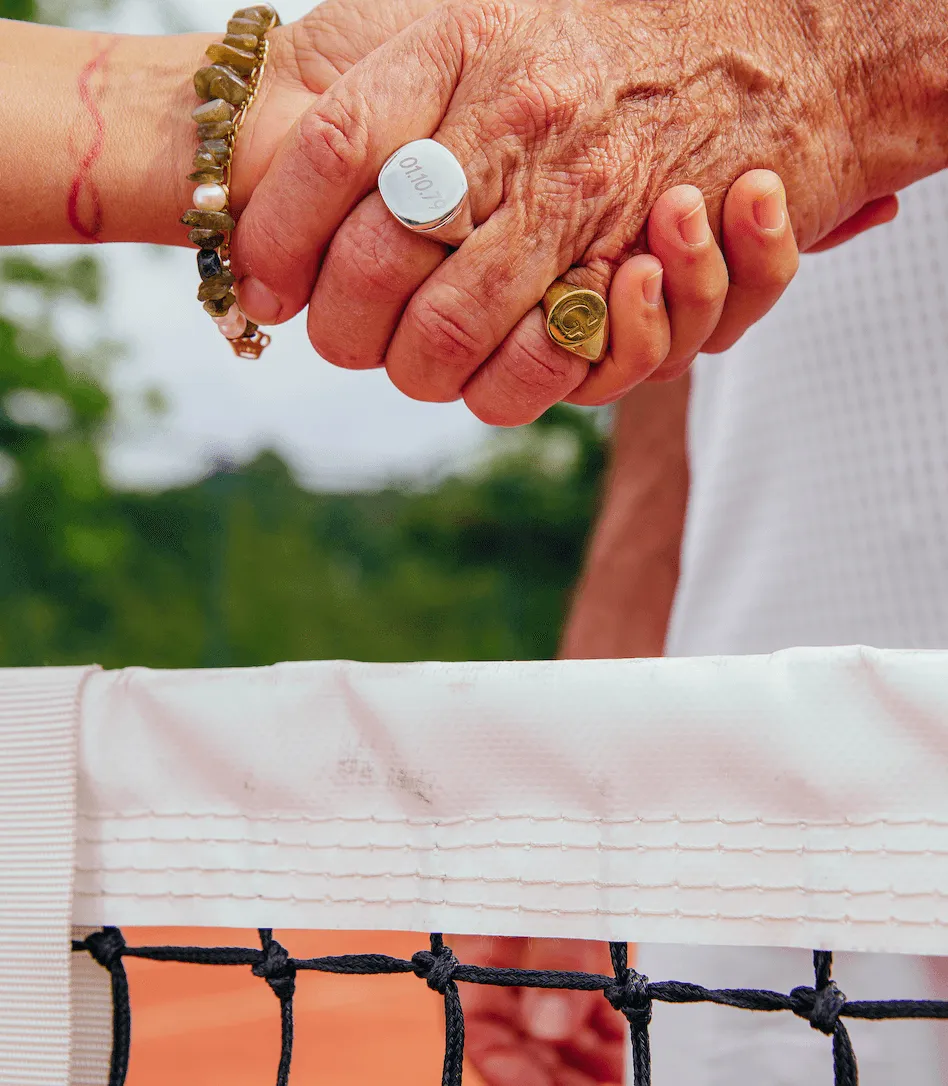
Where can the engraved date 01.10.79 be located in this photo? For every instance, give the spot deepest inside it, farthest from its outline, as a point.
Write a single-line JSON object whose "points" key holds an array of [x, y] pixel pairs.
{"points": [[421, 182]]}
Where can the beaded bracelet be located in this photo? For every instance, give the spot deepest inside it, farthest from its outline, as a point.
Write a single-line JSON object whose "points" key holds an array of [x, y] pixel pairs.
{"points": [[228, 86]]}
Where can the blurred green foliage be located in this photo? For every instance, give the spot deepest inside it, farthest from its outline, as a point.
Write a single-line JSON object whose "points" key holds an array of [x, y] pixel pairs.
{"points": [[247, 567], [50, 11]]}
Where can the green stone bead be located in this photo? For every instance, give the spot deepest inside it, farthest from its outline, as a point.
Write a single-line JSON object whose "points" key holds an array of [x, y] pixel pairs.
{"points": [[229, 86], [217, 150], [250, 329], [215, 110], [218, 307], [202, 83], [217, 131], [207, 177], [247, 42], [209, 220], [245, 27], [263, 15], [207, 239], [238, 59], [216, 287], [216, 81], [204, 160]]}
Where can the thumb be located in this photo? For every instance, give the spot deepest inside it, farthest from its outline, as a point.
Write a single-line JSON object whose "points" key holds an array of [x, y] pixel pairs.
{"points": [[331, 159]]}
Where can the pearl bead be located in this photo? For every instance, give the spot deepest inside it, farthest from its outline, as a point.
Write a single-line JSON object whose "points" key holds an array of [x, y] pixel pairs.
{"points": [[233, 324], [210, 198]]}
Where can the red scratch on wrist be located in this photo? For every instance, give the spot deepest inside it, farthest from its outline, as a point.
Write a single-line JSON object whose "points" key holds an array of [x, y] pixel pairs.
{"points": [[84, 205]]}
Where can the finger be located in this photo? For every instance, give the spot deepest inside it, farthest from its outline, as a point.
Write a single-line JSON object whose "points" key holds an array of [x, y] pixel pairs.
{"points": [[466, 309], [331, 160], [494, 1043], [372, 268], [525, 377], [570, 1076], [610, 1023], [696, 277], [761, 252], [599, 1058], [639, 333], [875, 213], [484, 1000], [561, 1016], [511, 1064]]}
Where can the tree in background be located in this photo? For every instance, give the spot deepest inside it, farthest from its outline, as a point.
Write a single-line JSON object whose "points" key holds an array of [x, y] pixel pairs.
{"points": [[246, 567]]}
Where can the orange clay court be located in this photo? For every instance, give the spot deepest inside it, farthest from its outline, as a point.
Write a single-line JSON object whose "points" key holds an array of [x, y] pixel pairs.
{"points": [[195, 1023]]}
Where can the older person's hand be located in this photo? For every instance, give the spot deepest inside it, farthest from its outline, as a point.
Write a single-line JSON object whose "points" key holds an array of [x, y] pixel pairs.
{"points": [[690, 303], [569, 119]]}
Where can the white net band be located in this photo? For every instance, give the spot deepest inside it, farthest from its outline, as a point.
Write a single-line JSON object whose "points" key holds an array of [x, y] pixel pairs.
{"points": [[791, 800]]}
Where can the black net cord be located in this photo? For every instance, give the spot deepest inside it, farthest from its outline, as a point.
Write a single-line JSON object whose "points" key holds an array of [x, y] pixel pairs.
{"points": [[438, 967], [823, 1006], [630, 995], [829, 1001], [107, 948], [279, 971]]}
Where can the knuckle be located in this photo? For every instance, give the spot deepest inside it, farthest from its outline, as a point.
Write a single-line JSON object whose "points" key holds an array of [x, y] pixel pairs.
{"points": [[537, 106], [720, 342], [268, 247], [768, 272], [369, 258], [333, 142], [706, 291], [786, 268], [536, 369], [447, 325], [331, 346], [672, 369], [479, 21], [342, 340], [492, 414]]}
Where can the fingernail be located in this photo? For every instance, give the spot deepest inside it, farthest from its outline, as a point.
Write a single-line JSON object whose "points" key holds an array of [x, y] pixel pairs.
{"points": [[694, 227], [258, 302], [549, 1017], [768, 210], [652, 288]]}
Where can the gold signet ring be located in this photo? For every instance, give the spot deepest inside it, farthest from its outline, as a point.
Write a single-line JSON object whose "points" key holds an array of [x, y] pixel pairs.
{"points": [[578, 320]]}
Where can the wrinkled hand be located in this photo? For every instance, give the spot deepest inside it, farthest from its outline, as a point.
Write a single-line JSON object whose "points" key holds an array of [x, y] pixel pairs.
{"points": [[570, 119]]}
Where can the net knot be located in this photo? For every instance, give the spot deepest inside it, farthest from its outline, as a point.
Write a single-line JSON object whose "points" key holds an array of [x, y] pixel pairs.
{"points": [[821, 1006], [632, 998], [106, 946], [437, 968], [277, 970]]}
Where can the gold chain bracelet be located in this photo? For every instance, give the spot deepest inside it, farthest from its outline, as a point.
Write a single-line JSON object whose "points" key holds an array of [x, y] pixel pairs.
{"points": [[228, 86]]}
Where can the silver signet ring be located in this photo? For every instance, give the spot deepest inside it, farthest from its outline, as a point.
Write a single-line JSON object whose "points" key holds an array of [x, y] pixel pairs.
{"points": [[424, 187]]}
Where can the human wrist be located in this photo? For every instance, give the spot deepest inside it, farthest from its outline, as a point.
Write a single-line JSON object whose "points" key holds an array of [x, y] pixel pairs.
{"points": [[891, 80], [150, 154], [98, 135]]}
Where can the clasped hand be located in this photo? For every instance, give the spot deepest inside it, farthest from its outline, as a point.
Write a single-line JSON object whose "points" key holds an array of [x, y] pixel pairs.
{"points": [[588, 130], [574, 122]]}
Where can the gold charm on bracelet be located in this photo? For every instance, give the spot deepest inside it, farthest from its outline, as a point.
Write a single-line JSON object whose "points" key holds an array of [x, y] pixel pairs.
{"points": [[578, 320]]}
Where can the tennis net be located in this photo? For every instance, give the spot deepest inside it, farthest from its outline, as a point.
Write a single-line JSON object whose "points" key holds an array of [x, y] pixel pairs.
{"points": [[796, 800], [822, 1004]]}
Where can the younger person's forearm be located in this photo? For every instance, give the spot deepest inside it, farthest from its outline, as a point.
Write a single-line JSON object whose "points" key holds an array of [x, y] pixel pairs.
{"points": [[624, 598], [96, 139]]}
